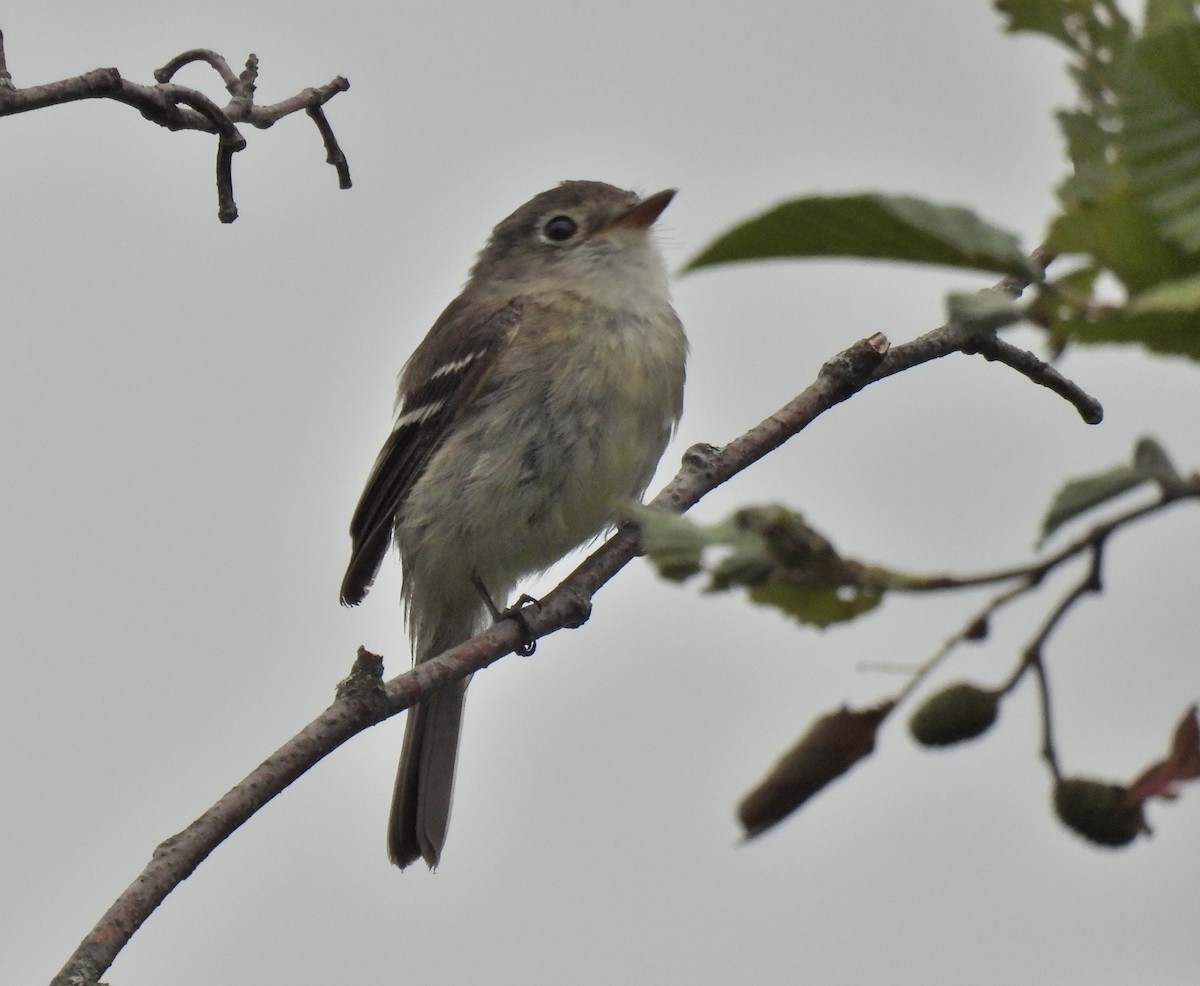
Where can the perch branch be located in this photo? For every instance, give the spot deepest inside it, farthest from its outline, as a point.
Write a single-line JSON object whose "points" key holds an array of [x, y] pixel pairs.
{"points": [[365, 700]]}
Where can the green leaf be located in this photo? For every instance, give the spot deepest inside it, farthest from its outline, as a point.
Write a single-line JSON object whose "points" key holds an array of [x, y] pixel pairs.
{"points": [[1172, 57], [1151, 460], [1122, 237], [749, 563], [1180, 295], [987, 310], [1089, 146], [672, 542], [676, 546], [1164, 14], [1037, 16], [775, 556], [1081, 495], [816, 606], [878, 227], [1079, 24], [1170, 333], [1158, 100], [1061, 298], [1150, 463]]}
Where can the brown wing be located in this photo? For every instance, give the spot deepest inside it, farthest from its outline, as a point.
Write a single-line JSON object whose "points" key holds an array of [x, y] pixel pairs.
{"points": [[439, 380]]}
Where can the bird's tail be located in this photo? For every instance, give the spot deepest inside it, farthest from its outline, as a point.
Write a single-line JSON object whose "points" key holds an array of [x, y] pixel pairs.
{"points": [[425, 779]]}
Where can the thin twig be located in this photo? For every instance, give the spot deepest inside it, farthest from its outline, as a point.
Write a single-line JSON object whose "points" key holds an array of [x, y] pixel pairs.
{"points": [[974, 629], [992, 347], [1037, 570], [955, 338], [222, 123], [1033, 655], [227, 210], [333, 151], [1044, 703], [167, 72], [5, 79]]}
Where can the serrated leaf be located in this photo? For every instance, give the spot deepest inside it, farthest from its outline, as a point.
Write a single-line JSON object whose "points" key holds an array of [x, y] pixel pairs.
{"points": [[1173, 58], [1086, 139], [1160, 138], [1091, 180], [1037, 17], [1122, 237], [878, 227], [1164, 14], [816, 606], [1089, 146]]}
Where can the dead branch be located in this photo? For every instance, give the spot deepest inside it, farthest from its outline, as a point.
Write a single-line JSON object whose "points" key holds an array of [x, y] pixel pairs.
{"points": [[179, 107]]}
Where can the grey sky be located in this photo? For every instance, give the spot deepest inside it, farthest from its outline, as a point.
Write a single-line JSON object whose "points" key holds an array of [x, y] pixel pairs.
{"points": [[190, 410]]}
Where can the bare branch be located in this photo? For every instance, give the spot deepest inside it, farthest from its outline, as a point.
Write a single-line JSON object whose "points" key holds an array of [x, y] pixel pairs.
{"points": [[704, 468], [179, 107], [333, 152], [167, 72], [954, 338], [992, 347]]}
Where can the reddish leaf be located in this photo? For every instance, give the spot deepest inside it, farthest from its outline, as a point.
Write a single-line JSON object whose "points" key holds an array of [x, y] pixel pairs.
{"points": [[1181, 764], [832, 745]]}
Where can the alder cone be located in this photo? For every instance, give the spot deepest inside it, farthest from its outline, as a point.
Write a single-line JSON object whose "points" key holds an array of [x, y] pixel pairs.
{"points": [[958, 712], [1101, 813]]}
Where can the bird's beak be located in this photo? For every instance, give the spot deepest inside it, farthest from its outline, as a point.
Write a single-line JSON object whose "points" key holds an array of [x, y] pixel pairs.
{"points": [[642, 215]]}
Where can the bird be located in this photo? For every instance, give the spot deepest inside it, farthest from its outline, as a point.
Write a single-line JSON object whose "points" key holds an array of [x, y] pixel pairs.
{"points": [[541, 399]]}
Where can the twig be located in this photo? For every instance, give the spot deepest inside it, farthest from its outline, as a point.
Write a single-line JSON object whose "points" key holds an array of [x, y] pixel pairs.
{"points": [[974, 629], [179, 107], [1037, 570], [1048, 750], [1029, 578], [167, 72], [1032, 657], [5, 78], [704, 468], [954, 338], [333, 152], [992, 347]]}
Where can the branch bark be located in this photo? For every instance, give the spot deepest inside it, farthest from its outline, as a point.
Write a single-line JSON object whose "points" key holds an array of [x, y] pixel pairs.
{"points": [[364, 699], [179, 107]]}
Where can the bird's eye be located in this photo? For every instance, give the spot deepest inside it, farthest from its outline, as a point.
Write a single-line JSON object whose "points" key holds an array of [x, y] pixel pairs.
{"points": [[560, 228]]}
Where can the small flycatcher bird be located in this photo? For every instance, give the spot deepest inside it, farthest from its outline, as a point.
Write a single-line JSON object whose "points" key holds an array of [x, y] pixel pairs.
{"points": [[542, 397]]}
